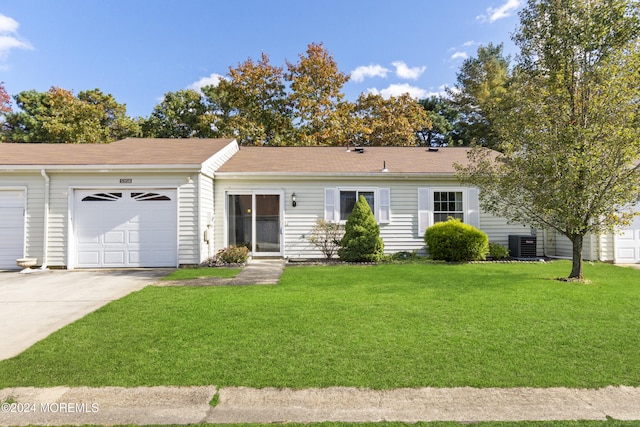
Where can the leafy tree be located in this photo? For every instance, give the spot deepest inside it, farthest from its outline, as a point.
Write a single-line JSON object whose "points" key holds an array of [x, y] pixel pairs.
{"points": [[262, 104], [442, 115], [570, 123], [59, 116], [361, 241], [181, 114], [253, 102], [482, 83], [392, 121], [316, 97]]}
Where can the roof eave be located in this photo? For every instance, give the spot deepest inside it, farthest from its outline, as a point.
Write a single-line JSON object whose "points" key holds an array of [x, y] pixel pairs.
{"points": [[99, 168]]}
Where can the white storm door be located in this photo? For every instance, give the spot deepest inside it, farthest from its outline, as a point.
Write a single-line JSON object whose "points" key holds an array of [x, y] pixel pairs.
{"points": [[12, 214], [126, 228]]}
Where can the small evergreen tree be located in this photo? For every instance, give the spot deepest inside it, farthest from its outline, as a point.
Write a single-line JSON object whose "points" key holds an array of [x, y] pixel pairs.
{"points": [[361, 241]]}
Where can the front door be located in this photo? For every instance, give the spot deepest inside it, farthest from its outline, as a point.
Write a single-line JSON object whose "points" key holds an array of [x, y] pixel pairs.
{"points": [[254, 220]]}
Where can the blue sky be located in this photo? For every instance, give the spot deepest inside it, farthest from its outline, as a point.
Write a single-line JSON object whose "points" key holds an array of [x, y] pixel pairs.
{"points": [[139, 50]]}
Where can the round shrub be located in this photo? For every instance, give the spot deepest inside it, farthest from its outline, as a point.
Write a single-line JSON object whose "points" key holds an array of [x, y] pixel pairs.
{"points": [[454, 241], [361, 241]]}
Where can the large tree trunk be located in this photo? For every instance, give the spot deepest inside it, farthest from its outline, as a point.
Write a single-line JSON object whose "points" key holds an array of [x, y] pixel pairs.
{"points": [[576, 266]]}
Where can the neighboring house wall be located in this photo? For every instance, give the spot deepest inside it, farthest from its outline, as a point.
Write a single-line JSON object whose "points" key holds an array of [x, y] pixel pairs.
{"points": [[34, 184], [401, 232]]}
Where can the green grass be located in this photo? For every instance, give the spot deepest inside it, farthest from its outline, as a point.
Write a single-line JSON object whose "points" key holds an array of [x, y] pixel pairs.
{"points": [[386, 326], [201, 272]]}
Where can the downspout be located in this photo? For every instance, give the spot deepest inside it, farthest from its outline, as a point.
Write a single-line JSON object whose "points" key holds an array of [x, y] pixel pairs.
{"points": [[45, 237]]}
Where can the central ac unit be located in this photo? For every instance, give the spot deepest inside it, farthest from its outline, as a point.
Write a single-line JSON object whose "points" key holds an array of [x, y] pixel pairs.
{"points": [[522, 246]]}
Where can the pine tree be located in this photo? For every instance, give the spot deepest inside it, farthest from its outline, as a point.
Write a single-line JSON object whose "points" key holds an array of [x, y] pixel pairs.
{"points": [[361, 241]]}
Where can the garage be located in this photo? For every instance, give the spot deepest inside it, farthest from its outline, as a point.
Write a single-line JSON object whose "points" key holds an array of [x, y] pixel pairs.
{"points": [[12, 208], [627, 242], [125, 228]]}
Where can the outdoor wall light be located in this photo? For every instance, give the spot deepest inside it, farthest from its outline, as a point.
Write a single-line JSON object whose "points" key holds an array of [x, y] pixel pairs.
{"points": [[293, 199]]}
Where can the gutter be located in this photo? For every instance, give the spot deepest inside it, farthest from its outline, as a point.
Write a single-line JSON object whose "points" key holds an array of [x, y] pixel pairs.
{"points": [[45, 237]]}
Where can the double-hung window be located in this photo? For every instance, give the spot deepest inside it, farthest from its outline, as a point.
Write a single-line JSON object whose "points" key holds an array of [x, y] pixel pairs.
{"points": [[447, 204], [441, 203], [339, 203], [348, 199]]}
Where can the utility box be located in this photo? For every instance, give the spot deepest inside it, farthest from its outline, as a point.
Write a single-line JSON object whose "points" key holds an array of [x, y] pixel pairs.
{"points": [[522, 246]]}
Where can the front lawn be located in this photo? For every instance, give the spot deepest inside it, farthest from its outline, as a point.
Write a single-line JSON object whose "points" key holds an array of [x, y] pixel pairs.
{"points": [[385, 326]]}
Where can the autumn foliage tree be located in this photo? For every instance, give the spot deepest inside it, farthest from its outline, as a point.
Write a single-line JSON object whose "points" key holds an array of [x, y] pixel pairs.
{"points": [[301, 103], [5, 100], [57, 116]]}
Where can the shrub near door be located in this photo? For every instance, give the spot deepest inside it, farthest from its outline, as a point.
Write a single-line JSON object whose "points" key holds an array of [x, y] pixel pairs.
{"points": [[454, 241]]}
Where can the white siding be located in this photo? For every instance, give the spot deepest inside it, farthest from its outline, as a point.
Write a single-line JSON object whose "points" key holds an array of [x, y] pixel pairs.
{"points": [[593, 248], [34, 218], [400, 234], [498, 230]]}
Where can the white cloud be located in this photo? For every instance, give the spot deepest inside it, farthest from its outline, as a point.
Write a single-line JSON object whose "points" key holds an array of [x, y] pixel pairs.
{"points": [[405, 72], [213, 79], [504, 11], [365, 71], [400, 89], [8, 25], [459, 55], [9, 38]]}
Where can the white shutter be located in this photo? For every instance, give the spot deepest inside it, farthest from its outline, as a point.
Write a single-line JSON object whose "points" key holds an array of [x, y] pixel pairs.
{"points": [[384, 203], [425, 214], [330, 204], [473, 210]]}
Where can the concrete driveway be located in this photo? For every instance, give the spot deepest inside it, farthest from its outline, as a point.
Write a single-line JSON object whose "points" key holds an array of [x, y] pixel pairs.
{"points": [[34, 305]]}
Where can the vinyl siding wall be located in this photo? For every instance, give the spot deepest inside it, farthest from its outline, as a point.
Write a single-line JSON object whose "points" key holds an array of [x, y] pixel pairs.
{"points": [[34, 214], [594, 248], [399, 234]]}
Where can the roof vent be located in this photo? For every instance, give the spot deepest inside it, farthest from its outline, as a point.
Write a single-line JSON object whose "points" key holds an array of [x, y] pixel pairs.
{"points": [[384, 166], [359, 150], [433, 149]]}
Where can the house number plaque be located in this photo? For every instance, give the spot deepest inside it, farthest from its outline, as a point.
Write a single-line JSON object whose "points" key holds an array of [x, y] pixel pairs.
{"points": [[126, 180]]}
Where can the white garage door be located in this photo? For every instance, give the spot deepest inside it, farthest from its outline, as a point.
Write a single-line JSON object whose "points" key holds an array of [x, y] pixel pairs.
{"points": [[11, 228], [628, 242], [126, 228]]}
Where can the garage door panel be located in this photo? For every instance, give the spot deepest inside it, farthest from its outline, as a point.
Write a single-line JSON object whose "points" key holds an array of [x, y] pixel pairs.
{"points": [[114, 258], [131, 232], [111, 237], [89, 258]]}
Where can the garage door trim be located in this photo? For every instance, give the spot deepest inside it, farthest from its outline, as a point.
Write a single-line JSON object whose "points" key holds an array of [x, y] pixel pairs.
{"points": [[73, 251]]}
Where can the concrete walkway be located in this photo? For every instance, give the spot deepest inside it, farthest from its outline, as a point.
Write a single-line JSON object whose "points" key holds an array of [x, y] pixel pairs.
{"points": [[191, 405], [258, 271]]}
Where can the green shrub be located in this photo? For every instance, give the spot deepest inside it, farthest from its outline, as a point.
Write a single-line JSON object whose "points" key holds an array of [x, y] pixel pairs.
{"points": [[232, 255], [498, 251], [455, 241], [361, 241]]}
